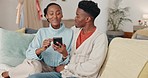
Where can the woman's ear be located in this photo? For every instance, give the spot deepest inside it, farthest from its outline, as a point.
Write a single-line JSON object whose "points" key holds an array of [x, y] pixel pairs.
{"points": [[46, 16]]}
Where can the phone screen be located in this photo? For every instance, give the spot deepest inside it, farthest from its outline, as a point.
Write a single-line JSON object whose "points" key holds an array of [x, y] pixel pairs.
{"points": [[57, 39]]}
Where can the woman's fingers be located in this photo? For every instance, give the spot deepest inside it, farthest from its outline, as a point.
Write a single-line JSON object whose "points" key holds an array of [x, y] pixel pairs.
{"points": [[47, 43]]}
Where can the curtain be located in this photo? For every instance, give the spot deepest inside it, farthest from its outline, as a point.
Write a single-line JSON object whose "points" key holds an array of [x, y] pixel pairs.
{"points": [[31, 18], [19, 14]]}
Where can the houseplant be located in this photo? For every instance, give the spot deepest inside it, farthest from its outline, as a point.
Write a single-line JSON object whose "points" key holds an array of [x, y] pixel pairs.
{"points": [[117, 16]]}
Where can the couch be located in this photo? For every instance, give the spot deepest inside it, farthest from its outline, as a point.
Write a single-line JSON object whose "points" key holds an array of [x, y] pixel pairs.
{"points": [[126, 58]]}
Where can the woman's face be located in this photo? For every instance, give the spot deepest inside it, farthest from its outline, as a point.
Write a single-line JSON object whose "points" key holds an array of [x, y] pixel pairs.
{"points": [[54, 16]]}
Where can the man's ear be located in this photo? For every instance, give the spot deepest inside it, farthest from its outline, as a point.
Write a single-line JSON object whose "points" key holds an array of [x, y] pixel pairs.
{"points": [[88, 19], [62, 16]]}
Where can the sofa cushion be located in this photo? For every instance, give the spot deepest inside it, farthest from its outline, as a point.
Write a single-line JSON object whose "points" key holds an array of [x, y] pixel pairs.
{"points": [[13, 46], [22, 30]]}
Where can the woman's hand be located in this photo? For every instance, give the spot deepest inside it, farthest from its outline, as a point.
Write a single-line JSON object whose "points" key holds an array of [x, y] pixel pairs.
{"points": [[45, 45], [61, 48]]}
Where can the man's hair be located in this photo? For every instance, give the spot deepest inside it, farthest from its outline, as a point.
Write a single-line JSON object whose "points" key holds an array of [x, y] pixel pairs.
{"points": [[90, 7], [46, 9]]}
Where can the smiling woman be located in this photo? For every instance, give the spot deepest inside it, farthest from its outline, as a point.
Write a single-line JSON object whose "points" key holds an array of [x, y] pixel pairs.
{"points": [[41, 51], [53, 15]]}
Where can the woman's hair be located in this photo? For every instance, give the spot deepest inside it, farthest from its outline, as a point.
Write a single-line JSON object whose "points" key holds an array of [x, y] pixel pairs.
{"points": [[46, 9]]}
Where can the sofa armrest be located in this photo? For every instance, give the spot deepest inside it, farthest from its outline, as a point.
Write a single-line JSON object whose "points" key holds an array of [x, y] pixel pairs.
{"points": [[125, 58]]}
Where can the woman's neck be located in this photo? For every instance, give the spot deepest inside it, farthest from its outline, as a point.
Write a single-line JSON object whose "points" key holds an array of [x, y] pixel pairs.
{"points": [[55, 26]]}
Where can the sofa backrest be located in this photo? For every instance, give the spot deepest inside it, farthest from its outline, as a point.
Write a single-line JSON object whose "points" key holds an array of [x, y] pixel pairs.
{"points": [[125, 59]]}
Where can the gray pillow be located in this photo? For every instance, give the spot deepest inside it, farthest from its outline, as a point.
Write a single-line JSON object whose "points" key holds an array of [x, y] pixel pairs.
{"points": [[13, 46], [141, 37], [30, 31]]}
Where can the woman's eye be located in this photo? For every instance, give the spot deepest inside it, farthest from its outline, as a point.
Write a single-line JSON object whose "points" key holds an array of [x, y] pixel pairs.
{"points": [[50, 13]]}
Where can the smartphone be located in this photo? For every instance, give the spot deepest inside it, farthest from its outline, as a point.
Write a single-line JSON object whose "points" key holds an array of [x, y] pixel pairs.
{"points": [[57, 39]]}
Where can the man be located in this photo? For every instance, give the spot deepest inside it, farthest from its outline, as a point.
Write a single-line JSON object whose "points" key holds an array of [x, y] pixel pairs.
{"points": [[89, 46]]}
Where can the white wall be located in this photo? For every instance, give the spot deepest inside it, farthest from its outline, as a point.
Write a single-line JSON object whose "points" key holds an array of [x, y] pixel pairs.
{"points": [[101, 20], [137, 8], [68, 7], [8, 14]]}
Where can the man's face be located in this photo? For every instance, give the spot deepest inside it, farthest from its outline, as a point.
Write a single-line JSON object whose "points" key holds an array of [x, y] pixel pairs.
{"points": [[54, 15], [80, 19]]}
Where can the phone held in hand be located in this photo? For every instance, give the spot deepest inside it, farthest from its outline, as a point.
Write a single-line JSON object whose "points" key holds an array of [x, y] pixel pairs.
{"points": [[57, 39]]}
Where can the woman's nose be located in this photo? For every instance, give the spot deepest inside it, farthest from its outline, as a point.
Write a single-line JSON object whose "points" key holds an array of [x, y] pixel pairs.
{"points": [[55, 16]]}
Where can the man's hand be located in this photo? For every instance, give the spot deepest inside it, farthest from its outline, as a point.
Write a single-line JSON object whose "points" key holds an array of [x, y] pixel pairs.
{"points": [[60, 68]]}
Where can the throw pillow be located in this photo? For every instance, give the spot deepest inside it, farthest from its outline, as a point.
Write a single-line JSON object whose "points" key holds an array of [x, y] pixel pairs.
{"points": [[30, 31], [144, 72], [141, 37], [22, 30], [13, 46]]}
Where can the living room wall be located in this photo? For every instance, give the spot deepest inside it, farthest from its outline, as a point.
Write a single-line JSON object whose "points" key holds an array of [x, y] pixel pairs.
{"points": [[68, 7], [8, 12], [137, 8]]}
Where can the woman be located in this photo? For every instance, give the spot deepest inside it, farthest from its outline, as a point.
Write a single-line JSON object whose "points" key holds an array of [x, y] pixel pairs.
{"points": [[41, 56]]}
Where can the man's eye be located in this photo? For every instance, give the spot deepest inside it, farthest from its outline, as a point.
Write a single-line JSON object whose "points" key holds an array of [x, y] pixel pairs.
{"points": [[58, 13]]}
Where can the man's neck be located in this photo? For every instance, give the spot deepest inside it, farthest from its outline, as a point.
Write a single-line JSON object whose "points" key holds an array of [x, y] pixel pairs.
{"points": [[88, 28]]}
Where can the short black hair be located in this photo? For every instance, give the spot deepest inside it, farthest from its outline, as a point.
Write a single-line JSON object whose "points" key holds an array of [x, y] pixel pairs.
{"points": [[46, 9], [90, 7]]}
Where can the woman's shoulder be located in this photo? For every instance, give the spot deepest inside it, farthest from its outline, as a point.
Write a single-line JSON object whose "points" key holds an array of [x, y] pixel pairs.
{"points": [[44, 29], [41, 30], [67, 29]]}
